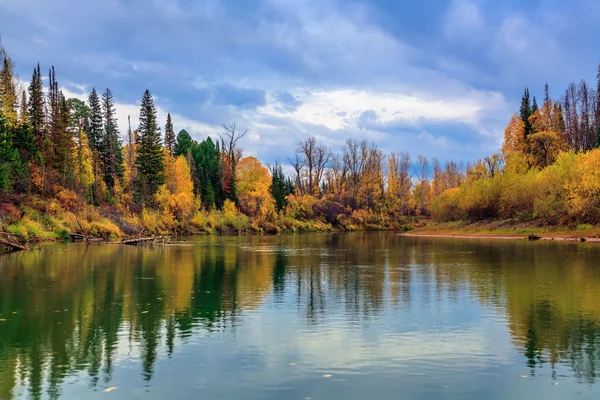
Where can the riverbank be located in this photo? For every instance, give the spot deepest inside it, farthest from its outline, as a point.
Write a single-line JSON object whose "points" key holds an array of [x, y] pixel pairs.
{"points": [[507, 230]]}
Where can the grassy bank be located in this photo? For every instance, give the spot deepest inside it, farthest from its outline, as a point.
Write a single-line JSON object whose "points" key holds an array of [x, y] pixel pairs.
{"points": [[64, 218]]}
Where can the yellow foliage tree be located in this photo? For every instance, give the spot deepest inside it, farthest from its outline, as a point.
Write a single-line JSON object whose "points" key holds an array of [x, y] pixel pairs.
{"points": [[253, 182], [584, 192], [514, 136], [176, 196], [84, 165]]}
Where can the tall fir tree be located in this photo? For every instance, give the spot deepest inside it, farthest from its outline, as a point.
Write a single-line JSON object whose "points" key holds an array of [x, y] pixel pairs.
{"points": [[96, 129], [525, 112], [150, 155], [278, 186], [36, 113], [8, 93], [23, 108], [110, 148], [170, 135]]}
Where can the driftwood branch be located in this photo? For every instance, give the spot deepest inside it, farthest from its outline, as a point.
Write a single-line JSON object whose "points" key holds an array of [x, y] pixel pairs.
{"points": [[13, 241], [146, 240], [87, 239]]}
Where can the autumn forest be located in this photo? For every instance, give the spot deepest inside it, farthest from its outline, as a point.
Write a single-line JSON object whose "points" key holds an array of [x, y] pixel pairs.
{"points": [[65, 167]]}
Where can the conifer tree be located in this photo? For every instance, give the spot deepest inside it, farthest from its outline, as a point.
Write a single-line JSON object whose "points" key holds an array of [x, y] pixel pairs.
{"points": [[525, 112], [23, 108], [169, 136], [96, 129], [150, 155], [278, 186], [110, 149], [183, 143], [36, 107], [8, 94]]}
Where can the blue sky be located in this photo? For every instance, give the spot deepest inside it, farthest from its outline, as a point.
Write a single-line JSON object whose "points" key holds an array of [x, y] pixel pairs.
{"points": [[438, 78]]}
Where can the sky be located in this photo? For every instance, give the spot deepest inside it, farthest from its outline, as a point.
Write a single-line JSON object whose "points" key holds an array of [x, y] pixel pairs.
{"points": [[437, 78]]}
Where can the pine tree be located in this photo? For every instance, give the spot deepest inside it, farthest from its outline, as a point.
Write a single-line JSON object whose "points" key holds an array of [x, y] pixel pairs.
{"points": [[534, 107], [8, 94], [96, 129], [546, 93], [150, 155], [36, 107], [525, 112], [63, 145], [110, 149], [278, 186], [169, 135], [23, 108], [183, 143], [9, 157]]}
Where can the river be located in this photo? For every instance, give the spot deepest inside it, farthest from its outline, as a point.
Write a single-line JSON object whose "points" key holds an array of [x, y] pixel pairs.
{"points": [[315, 316]]}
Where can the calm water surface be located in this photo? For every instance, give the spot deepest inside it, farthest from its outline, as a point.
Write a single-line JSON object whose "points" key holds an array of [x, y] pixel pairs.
{"points": [[340, 316]]}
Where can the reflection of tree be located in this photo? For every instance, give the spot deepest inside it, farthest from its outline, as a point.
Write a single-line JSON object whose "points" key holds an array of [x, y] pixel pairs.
{"points": [[70, 307]]}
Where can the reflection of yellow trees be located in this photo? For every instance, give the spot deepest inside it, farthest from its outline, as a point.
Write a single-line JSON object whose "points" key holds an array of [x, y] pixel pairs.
{"points": [[66, 310]]}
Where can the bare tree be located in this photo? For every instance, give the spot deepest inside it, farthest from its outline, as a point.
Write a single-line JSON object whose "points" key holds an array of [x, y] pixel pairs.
{"points": [[422, 168], [316, 158], [298, 164], [229, 138]]}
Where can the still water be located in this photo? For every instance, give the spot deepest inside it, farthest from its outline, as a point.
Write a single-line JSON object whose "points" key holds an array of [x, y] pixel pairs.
{"points": [[332, 316]]}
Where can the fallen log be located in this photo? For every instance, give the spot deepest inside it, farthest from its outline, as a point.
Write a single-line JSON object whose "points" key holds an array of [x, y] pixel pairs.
{"points": [[11, 244], [146, 240]]}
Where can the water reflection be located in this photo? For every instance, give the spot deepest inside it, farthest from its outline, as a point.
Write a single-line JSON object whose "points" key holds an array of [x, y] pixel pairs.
{"points": [[363, 303]]}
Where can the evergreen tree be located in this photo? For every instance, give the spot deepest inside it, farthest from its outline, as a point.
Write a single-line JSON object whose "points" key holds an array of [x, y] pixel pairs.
{"points": [[36, 107], [8, 94], [169, 135], [63, 141], [150, 155], [525, 112], [183, 143], [110, 149], [534, 107], [96, 129], [278, 186], [8, 156], [23, 108]]}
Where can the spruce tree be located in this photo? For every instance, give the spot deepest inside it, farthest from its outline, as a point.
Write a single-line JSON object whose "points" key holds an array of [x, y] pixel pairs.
{"points": [[183, 143], [525, 111], [110, 149], [36, 107], [23, 108], [8, 94], [278, 186], [150, 155], [169, 136], [96, 129]]}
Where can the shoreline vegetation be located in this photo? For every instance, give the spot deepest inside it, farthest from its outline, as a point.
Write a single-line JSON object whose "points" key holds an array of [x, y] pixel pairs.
{"points": [[66, 173]]}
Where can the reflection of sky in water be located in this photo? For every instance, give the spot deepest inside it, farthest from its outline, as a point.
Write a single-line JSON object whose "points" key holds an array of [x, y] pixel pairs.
{"points": [[422, 336]]}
